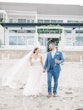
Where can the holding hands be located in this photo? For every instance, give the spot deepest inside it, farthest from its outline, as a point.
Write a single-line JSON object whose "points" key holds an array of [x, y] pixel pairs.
{"points": [[44, 70]]}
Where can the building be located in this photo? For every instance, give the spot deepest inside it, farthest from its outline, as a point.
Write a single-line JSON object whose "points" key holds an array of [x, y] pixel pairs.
{"points": [[17, 33]]}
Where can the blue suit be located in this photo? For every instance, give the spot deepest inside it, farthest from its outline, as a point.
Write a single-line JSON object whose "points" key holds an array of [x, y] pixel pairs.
{"points": [[53, 69]]}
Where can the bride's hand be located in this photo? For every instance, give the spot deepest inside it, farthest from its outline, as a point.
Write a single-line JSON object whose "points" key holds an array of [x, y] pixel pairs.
{"points": [[31, 64], [44, 70]]}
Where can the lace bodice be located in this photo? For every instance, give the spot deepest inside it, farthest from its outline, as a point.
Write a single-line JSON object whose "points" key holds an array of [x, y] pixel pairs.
{"points": [[36, 62]]}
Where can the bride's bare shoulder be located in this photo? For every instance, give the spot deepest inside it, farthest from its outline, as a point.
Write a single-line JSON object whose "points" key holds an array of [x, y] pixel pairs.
{"points": [[31, 56], [40, 56]]}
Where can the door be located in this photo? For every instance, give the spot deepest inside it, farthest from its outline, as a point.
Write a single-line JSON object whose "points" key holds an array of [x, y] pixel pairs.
{"points": [[54, 40]]}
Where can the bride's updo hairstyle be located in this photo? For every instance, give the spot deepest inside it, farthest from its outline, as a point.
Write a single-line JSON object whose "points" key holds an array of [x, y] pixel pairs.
{"points": [[35, 49]]}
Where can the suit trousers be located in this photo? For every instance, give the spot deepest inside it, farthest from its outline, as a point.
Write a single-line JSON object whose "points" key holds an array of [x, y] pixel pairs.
{"points": [[51, 73]]}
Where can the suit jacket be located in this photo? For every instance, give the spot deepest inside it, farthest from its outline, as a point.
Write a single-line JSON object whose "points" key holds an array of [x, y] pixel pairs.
{"points": [[59, 56]]}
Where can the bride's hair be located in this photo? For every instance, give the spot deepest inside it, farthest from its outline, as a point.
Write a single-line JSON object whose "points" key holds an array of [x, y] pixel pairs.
{"points": [[35, 49]]}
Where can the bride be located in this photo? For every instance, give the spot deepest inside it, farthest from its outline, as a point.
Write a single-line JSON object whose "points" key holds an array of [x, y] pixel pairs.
{"points": [[35, 66], [30, 64], [33, 85]]}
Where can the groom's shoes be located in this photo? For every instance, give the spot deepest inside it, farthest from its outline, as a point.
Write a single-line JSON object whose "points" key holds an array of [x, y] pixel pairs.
{"points": [[55, 95], [49, 95]]}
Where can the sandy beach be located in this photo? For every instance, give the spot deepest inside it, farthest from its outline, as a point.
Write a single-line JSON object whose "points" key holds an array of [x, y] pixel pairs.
{"points": [[69, 97]]}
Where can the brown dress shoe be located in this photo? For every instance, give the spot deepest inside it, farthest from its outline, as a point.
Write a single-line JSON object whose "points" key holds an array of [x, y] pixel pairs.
{"points": [[54, 95], [49, 95]]}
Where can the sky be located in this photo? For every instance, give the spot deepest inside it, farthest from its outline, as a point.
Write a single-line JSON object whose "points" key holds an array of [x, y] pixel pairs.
{"points": [[69, 2]]}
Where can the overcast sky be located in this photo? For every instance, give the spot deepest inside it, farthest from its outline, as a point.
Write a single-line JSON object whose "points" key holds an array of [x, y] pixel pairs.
{"points": [[71, 2]]}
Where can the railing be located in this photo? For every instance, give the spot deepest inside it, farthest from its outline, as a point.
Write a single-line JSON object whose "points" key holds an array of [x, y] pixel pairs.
{"points": [[22, 47], [73, 48], [81, 59], [16, 47]]}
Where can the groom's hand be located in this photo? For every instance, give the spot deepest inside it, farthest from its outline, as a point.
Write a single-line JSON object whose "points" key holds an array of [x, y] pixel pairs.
{"points": [[57, 62]]}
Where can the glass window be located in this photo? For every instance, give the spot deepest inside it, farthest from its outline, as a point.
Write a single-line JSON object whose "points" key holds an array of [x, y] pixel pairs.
{"points": [[79, 31], [13, 31], [32, 21], [69, 21], [81, 21], [79, 41], [46, 21], [22, 31], [30, 40], [2, 17], [13, 40], [53, 21], [10, 21], [21, 20], [40, 21], [59, 21], [68, 31], [56, 21], [30, 31], [28, 21], [76, 21], [68, 41], [72, 21], [22, 40], [14, 21]]}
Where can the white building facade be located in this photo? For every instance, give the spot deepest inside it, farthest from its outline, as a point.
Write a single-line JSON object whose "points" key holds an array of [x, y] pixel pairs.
{"points": [[23, 37]]}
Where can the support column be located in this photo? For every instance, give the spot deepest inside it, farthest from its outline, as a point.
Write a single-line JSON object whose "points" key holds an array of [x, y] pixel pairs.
{"points": [[62, 42], [36, 37], [73, 36], [7, 37], [1, 35]]}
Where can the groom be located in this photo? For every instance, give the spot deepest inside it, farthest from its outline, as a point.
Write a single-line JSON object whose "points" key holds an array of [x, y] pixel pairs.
{"points": [[52, 64]]}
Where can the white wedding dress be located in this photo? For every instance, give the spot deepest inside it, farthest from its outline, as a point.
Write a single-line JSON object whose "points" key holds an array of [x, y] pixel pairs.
{"points": [[33, 85], [12, 75]]}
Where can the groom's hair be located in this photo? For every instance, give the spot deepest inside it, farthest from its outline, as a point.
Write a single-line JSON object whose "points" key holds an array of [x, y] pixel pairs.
{"points": [[53, 43]]}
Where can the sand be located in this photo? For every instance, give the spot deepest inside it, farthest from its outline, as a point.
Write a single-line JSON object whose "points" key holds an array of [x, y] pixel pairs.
{"points": [[69, 97]]}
